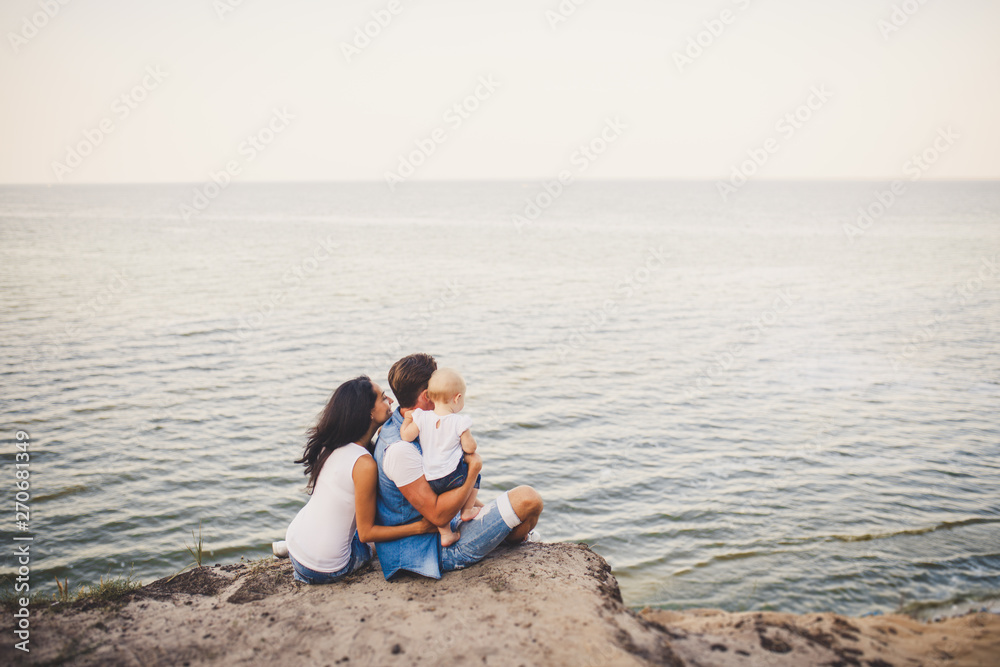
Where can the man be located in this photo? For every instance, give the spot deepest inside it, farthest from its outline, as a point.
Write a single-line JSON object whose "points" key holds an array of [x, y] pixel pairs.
{"points": [[404, 494]]}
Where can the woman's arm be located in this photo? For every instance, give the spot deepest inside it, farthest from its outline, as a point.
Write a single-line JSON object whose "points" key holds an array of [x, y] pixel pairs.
{"points": [[365, 476]]}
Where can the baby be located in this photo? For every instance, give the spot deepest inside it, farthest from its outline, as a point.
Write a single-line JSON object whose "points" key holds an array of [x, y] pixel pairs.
{"points": [[444, 436]]}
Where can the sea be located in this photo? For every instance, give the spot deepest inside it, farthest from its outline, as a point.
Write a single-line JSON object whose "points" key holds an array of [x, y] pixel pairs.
{"points": [[785, 397]]}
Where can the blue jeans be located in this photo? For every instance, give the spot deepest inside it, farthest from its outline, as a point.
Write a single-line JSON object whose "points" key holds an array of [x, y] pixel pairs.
{"points": [[479, 537], [453, 480], [361, 553]]}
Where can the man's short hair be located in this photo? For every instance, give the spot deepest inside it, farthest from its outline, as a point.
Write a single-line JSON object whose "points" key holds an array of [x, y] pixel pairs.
{"points": [[408, 377]]}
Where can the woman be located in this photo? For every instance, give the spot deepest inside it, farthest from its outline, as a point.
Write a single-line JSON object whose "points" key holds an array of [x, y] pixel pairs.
{"points": [[326, 539]]}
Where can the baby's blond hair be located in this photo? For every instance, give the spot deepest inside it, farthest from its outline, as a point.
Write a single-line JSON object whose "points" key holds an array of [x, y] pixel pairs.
{"points": [[444, 384]]}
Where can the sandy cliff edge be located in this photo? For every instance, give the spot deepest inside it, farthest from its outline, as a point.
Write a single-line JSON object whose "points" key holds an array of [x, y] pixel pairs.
{"points": [[537, 604]]}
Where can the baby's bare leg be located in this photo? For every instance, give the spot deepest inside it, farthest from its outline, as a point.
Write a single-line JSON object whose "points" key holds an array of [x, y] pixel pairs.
{"points": [[470, 510]]}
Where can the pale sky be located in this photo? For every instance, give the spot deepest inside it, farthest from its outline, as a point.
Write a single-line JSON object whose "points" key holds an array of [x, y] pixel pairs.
{"points": [[557, 86]]}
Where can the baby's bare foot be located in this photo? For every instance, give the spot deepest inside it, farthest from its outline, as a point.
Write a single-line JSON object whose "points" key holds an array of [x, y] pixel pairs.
{"points": [[470, 514], [449, 538]]}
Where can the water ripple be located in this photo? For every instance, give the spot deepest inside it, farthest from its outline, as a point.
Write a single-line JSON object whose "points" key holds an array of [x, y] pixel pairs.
{"points": [[820, 459]]}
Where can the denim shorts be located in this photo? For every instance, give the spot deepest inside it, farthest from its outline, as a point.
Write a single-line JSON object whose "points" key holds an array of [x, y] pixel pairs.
{"points": [[361, 553], [479, 537], [453, 480]]}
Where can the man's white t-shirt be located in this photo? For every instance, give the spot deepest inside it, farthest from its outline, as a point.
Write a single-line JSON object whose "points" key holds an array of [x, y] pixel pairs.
{"points": [[440, 441], [402, 464]]}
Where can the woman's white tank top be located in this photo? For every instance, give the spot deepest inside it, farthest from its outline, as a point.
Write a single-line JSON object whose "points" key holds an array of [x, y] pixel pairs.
{"points": [[320, 535]]}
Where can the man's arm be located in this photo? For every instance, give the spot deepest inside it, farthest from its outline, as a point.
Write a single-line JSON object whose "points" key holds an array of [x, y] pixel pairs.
{"points": [[365, 476], [440, 510]]}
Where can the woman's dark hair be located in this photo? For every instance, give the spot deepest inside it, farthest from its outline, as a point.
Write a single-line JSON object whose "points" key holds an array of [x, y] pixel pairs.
{"points": [[344, 420]]}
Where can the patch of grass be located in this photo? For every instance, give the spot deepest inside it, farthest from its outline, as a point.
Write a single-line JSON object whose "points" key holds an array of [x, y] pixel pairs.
{"points": [[110, 591], [104, 592], [256, 566], [63, 594], [197, 551]]}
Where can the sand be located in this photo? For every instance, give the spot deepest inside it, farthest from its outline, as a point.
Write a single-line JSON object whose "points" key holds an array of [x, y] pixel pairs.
{"points": [[711, 637], [537, 604]]}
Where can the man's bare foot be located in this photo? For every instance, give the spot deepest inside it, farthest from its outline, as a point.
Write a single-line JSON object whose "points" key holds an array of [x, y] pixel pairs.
{"points": [[470, 514], [449, 538]]}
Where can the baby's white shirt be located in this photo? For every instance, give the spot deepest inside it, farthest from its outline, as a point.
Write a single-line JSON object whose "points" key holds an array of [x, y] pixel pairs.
{"points": [[440, 441]]}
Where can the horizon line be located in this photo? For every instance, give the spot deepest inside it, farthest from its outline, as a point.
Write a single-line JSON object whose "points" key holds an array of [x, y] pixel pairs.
{"points": [[994, 179]]}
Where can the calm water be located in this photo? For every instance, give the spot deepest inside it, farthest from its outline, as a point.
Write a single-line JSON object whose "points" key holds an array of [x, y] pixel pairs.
{"points": [[736, 404]]}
